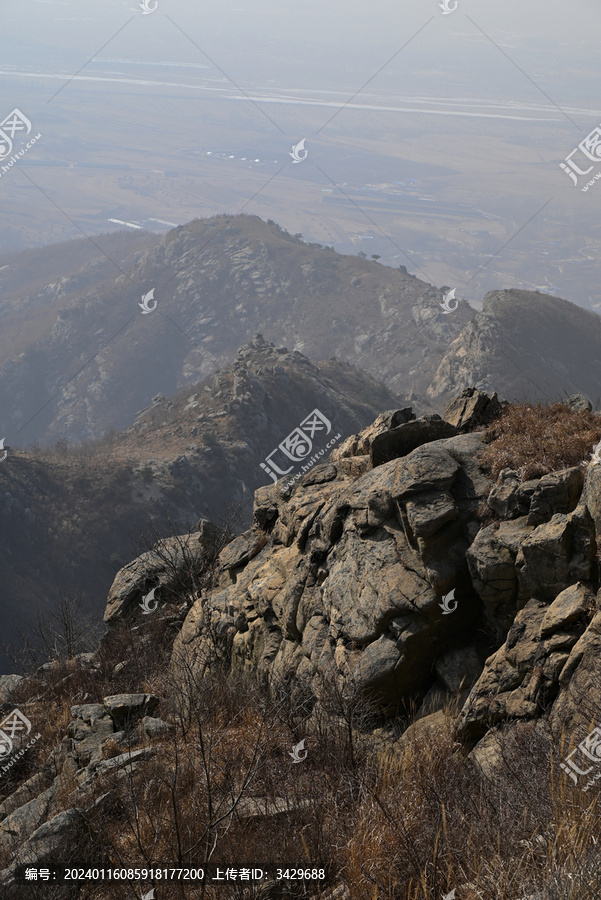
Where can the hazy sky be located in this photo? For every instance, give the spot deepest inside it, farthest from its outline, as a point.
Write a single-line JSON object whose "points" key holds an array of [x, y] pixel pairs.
{"points": [[310, 42], [98, 77]]}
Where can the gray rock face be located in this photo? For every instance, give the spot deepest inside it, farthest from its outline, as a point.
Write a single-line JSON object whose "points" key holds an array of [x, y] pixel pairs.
{"points": [[240, 551], [24, 793], [88, 712], [504, 499], [46, 841], [166, 567], [525, 673], [491, 560], [591, 497], [342, 577], [358, 445], [557, 492], [472, 409], [348, 580], [88, 738], [404, 438], [114, 763], [500, 347], [24, 820], [566, 610], [125, 709], [555, 554], [577, 704], [540, 498]]}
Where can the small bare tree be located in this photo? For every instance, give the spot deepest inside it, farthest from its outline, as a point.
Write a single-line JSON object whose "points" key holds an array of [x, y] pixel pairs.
{"points": [[58, 634], [187, 570]]}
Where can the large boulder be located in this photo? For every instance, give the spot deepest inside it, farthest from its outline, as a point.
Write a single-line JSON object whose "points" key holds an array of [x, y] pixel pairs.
{"points": [[341, 578], [556, 554], [359, 445], [125, 709], [523, 676], [171, 566], [408, 436], [472, 409]]}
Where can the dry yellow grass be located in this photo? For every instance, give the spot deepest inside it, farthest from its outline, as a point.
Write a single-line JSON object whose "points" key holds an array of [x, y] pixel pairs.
{"points": [[536, 440], [404, 823]]}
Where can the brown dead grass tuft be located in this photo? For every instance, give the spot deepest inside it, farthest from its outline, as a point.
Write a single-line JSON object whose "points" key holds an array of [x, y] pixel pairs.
{"points": [[536, 440], [404, 821]]}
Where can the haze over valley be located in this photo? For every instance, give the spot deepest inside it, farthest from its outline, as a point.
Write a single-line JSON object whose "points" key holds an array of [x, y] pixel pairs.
{"points": [[300, 450]]}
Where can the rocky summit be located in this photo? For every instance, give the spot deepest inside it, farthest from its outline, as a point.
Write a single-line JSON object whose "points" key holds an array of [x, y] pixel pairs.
{"points": [[402, 578], [68, 517], [78, 357], [375, 570]]}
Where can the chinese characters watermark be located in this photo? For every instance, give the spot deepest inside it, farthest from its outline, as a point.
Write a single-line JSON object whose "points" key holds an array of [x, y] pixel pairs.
{"points": [[14, 724], [15, 123], [590, 748], [590, 148], [298, 445]]}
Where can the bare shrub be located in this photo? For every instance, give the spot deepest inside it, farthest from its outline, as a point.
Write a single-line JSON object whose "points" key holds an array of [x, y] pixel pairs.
{"points": [[60, 634], [538, 439]]}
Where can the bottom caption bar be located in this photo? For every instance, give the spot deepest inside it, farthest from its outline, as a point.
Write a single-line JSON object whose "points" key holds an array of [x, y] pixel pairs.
{"points": [[213, 874]]}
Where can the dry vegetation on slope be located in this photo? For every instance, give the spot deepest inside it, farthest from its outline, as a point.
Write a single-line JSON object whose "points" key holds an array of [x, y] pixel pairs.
{"points": [[540, 438], [408, 824], [391, 810]]}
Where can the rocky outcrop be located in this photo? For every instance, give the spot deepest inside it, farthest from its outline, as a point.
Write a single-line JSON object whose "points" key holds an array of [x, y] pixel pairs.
{"points": [[342, 577], [367, 579], [522, 679], [373, 573], [557, 492], [172, 564], [472, 409], [350, 579], [32, 818], [500, 350], [343, 574], [405, 437]]}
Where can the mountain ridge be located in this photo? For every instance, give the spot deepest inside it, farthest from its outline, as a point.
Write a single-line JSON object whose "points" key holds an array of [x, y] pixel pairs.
{"points": [[217, 281], [69, 514]]}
